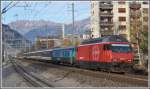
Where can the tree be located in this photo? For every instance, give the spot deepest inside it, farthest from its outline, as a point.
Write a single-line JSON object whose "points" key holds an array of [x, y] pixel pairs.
{"points": [[38, 43], [144, 41], [67, 42], [77, 43]]}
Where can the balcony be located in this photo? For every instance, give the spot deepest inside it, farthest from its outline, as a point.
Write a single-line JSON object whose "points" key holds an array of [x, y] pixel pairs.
{"points": [[145, 10], [106, 6], [108, 14], [122, 31], [145, 19], [106, 23], [145, 23], [145, 15], [135, 6], [136, 14], [108, 32]]}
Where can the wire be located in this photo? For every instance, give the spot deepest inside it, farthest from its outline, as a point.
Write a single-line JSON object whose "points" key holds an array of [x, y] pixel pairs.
{"points": [[6, 9], [7, 5]]}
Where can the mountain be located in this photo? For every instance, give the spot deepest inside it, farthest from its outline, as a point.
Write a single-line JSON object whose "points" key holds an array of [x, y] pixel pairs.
{"points": [[32, 29], [24, 26], [53, 31], [80, 27], [13, 38]]}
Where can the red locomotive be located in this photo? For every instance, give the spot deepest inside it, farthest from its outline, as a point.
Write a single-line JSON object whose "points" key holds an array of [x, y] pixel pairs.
{"points": [[112, 53]]}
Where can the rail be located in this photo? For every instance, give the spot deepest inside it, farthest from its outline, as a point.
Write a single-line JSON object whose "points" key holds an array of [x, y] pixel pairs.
{"points": [[30, 77], [126, 78]]}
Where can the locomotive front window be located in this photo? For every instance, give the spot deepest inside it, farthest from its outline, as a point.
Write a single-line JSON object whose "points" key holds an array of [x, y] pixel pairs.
{"points": [[121, 48], [107, 47]]}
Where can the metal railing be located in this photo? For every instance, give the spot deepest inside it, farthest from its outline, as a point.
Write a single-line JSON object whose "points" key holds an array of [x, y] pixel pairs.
{"points": [[105, 5], [106, 23], [106, 14]]}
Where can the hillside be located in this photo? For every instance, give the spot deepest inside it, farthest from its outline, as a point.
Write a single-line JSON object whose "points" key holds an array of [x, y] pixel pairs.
{"points": [[32, 29]]}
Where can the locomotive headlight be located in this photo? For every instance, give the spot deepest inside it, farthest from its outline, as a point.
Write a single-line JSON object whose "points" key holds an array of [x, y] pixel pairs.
{"points": [[122, 59], [129, 60]]}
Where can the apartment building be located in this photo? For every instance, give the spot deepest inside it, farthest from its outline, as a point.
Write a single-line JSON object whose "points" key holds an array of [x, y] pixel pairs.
{"points": [[95, 21], [121, 18], [108, 18], [101, 18]]}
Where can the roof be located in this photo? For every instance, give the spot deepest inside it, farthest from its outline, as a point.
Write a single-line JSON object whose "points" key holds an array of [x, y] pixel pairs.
{"points": [[110, 38], [64, 47]]}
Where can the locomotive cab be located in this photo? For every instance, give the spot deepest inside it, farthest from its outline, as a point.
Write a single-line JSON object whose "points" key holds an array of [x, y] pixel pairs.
{"points": [[121, 56], [120, 52], [112, 53]]}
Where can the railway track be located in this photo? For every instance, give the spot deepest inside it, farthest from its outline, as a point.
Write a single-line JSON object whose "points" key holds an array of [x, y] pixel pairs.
{"points": [[126, 78], [31, 78]]}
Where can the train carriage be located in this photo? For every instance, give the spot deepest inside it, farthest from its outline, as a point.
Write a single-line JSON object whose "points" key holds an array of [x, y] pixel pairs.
{"points": [[38, 55], [64, 55]]}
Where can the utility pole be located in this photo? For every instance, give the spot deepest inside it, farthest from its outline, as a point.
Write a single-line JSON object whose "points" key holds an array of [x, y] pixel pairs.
{"points": [[47, 35], [47, 40], [139, 54], [73, 17], [63, 31], [73, 23]]}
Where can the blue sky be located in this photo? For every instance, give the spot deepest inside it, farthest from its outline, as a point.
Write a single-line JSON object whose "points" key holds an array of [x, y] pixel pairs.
{"points": [[57, 11]]}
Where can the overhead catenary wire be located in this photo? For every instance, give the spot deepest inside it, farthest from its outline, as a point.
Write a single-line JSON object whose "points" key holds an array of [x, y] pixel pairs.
{"points": [[4, 10], [7, 6]]}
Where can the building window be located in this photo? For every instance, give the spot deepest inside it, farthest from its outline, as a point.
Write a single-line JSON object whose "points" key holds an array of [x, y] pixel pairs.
{"points": [[145, 10], [121, 10], [145, 27], [93, 12], [145, 19], [145, 2], [121, 2], [122, 27], [122, 18]]}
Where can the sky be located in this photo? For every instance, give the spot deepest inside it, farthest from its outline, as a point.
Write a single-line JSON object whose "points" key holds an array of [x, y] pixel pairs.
{"points": [[57, 11]]}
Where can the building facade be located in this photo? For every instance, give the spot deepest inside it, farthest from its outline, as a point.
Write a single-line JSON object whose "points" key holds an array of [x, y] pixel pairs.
{"points": [[113, 18], [101, 18], [121, 18], [47, 43], [95, 21]]}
